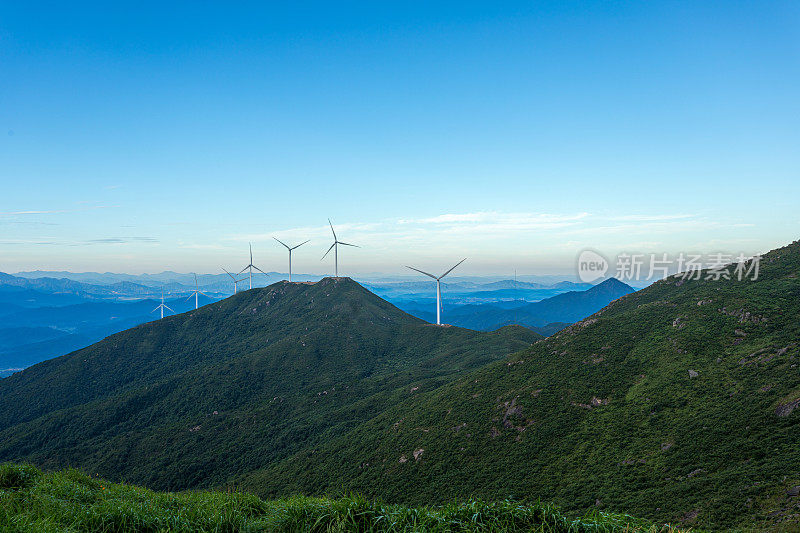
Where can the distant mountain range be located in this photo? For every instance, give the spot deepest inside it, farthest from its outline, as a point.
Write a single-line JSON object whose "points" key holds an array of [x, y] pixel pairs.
{"points": [[465, 282], [564, 308], [92, 285], [113, 291]]}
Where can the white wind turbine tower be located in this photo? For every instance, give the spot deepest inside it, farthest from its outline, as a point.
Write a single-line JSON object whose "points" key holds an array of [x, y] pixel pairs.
{"points": [[162, 305], [335, 248], [236, 282], [438, 289], [196, 292], [251, 266], [290, 254]]}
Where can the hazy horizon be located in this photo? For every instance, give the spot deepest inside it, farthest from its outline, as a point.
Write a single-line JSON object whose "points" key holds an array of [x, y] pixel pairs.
{"points": [[556, 277]]}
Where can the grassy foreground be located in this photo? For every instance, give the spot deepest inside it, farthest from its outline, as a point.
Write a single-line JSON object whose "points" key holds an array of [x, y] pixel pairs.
{"points": [[67, 500]]}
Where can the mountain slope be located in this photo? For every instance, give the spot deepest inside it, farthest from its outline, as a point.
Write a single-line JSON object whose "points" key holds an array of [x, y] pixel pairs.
{"points": [[193, 399], [677, 402]]}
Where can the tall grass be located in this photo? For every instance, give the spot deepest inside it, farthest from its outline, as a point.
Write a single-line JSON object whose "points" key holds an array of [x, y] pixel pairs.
{"points": [[37, 502]]}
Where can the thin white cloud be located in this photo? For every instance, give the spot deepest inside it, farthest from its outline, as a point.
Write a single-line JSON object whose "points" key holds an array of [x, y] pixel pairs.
{"points": [[315, 232], [520, 221], [31, 212], [651, 218], [453, 229], [16, 242], [120, 240], [209, 247], [646, 227], [91, 242]]}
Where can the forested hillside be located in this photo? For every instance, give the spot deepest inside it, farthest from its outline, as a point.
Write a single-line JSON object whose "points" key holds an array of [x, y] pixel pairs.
{"points": [[197, 398], [678, 402]]}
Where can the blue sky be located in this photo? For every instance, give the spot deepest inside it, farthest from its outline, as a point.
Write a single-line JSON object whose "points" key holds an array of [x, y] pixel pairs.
{"points": [[145, 138]]}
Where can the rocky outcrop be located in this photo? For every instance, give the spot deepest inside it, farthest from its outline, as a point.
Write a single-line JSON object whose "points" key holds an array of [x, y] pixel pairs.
{"points": [[786, 409]]}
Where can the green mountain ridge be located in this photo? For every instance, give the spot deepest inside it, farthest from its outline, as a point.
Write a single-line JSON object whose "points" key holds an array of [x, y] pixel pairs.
{"points": [[679, 402], [194, 399]]}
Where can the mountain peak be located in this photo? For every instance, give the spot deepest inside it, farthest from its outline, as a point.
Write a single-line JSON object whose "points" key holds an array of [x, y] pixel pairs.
{"points": [[340, 281], [311, 301], [613, 283], [342, 287]]}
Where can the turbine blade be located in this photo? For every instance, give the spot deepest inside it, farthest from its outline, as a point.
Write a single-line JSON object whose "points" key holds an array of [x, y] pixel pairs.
{"points": [[299, 245], [228, 273], [245, 268], [348, 244], [454, 266], [334, 233], [251, 252], [280, 241], [190, 297], [260, 270], [156, 309], [168, 307], [204, 294], [329, 249], [421, 272], [195, 282]]}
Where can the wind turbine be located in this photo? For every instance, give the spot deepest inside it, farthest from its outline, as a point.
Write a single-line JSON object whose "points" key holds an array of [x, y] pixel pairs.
{"points": [[290, 254], [251, 266], [235, 281], [335, 248], [162, 306], [438, 289], [196, 292]]}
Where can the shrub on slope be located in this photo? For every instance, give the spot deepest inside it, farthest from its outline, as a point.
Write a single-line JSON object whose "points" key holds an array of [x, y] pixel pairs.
{"points": [[67, 500]]}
